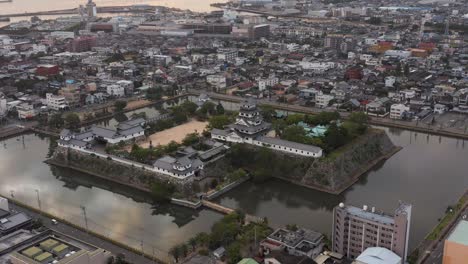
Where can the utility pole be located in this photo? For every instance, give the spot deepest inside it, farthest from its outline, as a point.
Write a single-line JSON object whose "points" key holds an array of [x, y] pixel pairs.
{"points": [[255, 235], [85, 218], [39, 201], [142, 250]]}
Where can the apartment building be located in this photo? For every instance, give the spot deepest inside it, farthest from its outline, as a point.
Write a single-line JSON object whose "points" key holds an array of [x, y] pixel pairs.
{"points": [[55, 102], [397, 111], [356, 229]]}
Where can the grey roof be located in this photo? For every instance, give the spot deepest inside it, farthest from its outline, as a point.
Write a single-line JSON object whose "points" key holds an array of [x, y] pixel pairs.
{"points": [[364, 214], [65, 133], [167, 163], [131, 131], [14, 221], [79, 143], [205, 155], [84, 135], [103, 132], [131, 123], [251, 129], [219, 132], [183, 161], [219, 251], [294, 238], [3, 213], [290, 144]]}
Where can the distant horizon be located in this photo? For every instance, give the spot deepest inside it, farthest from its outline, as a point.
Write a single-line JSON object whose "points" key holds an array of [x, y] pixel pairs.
{"points": [[21, 6]]}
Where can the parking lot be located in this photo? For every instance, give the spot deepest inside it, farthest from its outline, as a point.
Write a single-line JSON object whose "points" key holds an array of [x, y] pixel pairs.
{"points": [[448, 120]]}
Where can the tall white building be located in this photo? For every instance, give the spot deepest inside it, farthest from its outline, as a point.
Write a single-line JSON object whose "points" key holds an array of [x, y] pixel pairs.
{"points": [[56, 102], [3, 107], [323, 100], [397, 110], [268, 82], [116, 90], [91, 8]]}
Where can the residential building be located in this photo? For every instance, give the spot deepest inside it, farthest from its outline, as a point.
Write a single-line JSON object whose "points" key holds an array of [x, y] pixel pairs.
{"points": [[127, 86], [378, 107], [397, 111], [259, 31], [267, 82], [26, 111], [11, 221], [47, 70], [456, 245], [299, 242], [115, 90], [162, 60], [356, 229], [56, 102], [217, 80], [228, 55], [71, 92], [440, 108], [63, 34], [323, 100], [390, 81], [91, 9], [82, 44]]}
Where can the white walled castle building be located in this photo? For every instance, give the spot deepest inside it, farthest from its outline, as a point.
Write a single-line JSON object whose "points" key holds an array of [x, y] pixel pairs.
{"points": [[250, 128]]}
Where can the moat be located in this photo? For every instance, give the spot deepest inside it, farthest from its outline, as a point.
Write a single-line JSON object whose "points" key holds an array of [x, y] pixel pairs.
{"points": [[417, 174]]}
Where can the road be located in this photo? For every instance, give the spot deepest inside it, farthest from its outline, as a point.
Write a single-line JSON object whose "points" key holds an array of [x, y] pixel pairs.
{"points": [[82, 235], [437, 254]]}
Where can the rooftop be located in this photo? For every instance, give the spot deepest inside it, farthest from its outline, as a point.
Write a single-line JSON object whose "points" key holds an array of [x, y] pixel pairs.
{"points": [[13, 221], [364, 214], [378, 255], [460, 233], [294, 238]]}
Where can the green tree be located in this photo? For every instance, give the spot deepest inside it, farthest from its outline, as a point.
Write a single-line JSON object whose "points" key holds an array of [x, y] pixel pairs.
{"points": [[294, 133], [189, 107], [191, 139], [179, 114], [153, 94], [208, 108], [120, 105], [193, 243], [335, 137], [175, 253], [72, 121], [406, 70], [184, 250], [162, 191], [219, 121], [56, 120], [220, 109], [267, 112], [233, 253], [294, 119], [224, 232], [171, 147], [202, 239]]}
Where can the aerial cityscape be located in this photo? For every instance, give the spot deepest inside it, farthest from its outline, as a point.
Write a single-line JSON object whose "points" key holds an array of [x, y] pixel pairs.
{"points": [[234, 131]]}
